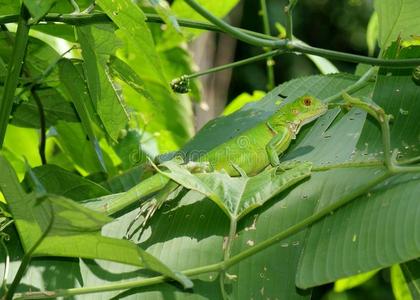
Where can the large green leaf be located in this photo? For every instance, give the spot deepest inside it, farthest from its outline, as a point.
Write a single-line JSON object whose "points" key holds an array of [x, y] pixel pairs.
{"points": [[397, 18], [241, 100], [399, 284], [238, 196], [77, 147], [349, 242], [26, 113], [348, 283], [139, 52], [219, 9], [98, 43], [58, 181], [124, 72], [397, 95], [76, 88], [23, 143], [70, 229], [47, 273], [187, 237], [372, 33], [9, 7], [39, 56]]}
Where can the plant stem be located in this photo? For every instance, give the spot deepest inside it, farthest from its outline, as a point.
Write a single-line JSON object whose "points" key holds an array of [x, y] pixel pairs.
{"points": [[409, 160], [117, 286], [270, 61], [289, 14], [308, 221], [6, 264], [295, 46], [266, 41], [235, 64], [350, 164], [75, 6], [235, 32], [359, 84], [42, 126], [14, 69], [28, 257]]}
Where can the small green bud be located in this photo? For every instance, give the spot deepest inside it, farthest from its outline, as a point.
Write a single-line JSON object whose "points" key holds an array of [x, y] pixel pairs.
{"points": [[181, 85], [416, 75]]}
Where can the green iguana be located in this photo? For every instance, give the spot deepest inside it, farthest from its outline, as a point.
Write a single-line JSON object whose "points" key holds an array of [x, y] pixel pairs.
{"points": [[249, 153]]}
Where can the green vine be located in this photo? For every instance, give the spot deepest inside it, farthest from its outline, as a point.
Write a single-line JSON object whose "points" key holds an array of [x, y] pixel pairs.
{"points": [[259, 39], [13, 73], [181, 84], [270, 61], [288, 10]]}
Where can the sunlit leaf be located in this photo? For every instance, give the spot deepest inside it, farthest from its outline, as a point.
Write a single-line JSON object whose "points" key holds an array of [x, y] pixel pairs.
{"points": [[399, 284], [26, 113], [61, 182], [372, 33], [219, 9], [333, 247], [98, 43], [345, 284], [38, 8], [397, 19], [241, 100], [140, 53], [71, 230], [79, 95]]}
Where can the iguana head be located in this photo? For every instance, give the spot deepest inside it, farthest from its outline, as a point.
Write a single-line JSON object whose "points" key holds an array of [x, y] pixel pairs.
{"points": [[303, 110]]}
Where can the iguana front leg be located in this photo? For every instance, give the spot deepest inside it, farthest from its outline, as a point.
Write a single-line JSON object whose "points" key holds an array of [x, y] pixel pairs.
{"points": [[278, 144], [149, 207]]}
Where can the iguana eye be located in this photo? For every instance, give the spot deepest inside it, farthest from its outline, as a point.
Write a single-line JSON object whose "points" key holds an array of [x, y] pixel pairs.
{"points": [[307, 101]]}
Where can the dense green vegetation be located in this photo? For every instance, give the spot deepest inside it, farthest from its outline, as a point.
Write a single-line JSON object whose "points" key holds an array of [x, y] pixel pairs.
{"points": [[92, 92]]}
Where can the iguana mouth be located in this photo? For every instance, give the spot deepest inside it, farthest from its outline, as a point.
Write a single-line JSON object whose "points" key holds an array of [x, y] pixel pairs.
{"points": [[295, 127], [321, 111]]}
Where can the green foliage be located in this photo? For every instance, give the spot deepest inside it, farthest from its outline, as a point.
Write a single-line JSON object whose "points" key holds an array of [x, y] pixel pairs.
{"points": [[397, 19], [241, 100], [182, 10], [38, 8], [238, 196], [97, 44], [51, 225], [399, 284], [411, 272], [344, 284], [339, 207]]}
